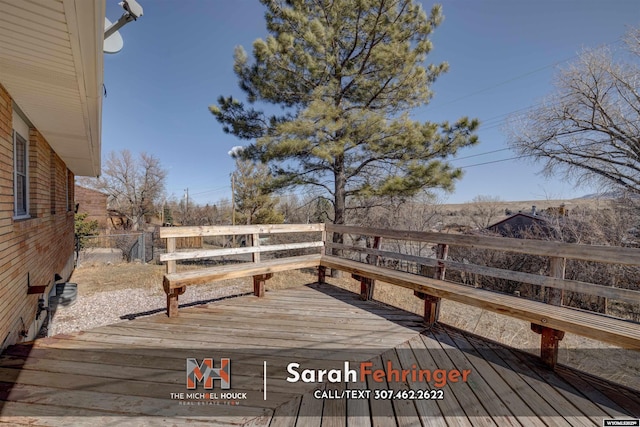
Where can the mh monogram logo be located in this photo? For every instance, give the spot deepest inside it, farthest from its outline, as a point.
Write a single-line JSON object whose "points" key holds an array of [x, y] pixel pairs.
{"points": [[206, 372]]}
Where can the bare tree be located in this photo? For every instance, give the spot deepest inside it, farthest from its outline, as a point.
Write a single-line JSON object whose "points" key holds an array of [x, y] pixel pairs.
{"points": [[614, 225], [588, 129], [632, 39], [134, 185], [419, 213], [483, 211]]}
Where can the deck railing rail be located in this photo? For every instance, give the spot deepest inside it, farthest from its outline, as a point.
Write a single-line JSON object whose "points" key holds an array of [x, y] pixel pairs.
{"points": [[253, 245], [556, 252]]}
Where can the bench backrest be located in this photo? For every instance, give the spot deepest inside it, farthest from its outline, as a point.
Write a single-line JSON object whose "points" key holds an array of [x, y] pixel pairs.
{"points": [[417, 250], [238, 240], [426, 252]]}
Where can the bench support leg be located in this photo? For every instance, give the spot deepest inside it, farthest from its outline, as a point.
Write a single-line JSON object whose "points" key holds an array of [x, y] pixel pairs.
{"points": [[259, 282], [366, 287], [322, 274], [431, 307], [172, 301], [550, 338]]}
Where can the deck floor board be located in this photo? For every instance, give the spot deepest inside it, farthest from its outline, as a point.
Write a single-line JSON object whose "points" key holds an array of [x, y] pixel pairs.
{"points": [[124, 373]]}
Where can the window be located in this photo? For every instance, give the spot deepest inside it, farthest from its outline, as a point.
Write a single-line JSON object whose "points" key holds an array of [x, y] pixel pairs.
{"points": [[21, 176], [69, 188], [20, 165], [52, 181]]}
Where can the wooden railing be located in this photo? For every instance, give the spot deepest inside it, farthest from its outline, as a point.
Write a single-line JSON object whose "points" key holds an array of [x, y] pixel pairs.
{"points": [[556, 252], [593, 325], [551, 325], [253, 231]]}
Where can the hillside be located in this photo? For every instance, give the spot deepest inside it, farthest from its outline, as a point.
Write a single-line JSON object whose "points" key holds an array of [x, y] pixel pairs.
{"points": [[491, 212]]}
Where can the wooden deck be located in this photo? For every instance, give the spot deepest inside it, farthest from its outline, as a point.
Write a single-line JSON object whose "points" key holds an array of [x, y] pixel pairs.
{"points": [[131, 373]]}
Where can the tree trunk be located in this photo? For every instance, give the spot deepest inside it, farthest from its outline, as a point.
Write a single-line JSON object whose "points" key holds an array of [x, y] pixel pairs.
{"points": [[339, 206], [135, 223]]}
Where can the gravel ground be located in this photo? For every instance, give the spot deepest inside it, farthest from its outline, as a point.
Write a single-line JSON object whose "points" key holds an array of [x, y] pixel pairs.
{"points": [[110, 294], [104, 308]]}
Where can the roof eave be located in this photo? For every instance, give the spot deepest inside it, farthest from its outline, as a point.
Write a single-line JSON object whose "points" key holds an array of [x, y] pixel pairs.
{"points": [[85, 20]]}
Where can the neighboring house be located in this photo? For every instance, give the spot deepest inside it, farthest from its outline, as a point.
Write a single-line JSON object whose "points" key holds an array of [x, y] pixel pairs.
{"points": [[94, 204], [51, 86], [520, 224]]}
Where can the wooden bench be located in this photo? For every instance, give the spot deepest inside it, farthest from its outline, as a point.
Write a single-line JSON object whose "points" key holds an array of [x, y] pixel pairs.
{"points": [[175, 283], [592, 325], [550, 320]]}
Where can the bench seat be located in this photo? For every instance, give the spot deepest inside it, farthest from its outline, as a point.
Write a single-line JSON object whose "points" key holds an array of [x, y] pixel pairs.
{"points": [[592, 325], [246, 269]]}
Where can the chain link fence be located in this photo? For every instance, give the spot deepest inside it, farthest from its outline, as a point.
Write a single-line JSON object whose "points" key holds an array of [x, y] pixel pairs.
{"points": [[115, 248]]}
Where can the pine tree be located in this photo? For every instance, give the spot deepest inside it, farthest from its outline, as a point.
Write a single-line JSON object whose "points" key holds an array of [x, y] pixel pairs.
{"points": [[254, 204], [347, 73], [83, 229]]}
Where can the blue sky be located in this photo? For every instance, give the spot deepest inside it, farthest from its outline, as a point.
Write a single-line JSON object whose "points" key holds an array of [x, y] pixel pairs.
{"points": [[178, 58]]}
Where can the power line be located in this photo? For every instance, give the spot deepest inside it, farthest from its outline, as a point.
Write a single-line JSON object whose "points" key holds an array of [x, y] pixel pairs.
{"points": [[501, 83], [480, 154], [503, 116], [494, 161], [215, 189], [499, 119], [518, 77]]}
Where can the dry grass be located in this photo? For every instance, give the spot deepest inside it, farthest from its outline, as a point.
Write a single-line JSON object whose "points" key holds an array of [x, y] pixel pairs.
{"points": [[94, 278]]}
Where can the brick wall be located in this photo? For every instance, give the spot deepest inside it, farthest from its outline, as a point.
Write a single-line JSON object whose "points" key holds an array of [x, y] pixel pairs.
{"points": [[36, 248], [94, 204]]}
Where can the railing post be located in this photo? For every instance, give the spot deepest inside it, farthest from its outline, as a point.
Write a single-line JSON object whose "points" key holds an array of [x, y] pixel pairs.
{"points": [[322, 270], [442, 252], [171, 247], [260, 280], [255, 242], [550, 338], [367, 284], [432, 303], [556, 269], [323, 237], [172, 294]]}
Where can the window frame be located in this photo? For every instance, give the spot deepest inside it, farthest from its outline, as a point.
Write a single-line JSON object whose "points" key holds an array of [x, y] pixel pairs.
{"points": [[69, 193], [20, 212]]}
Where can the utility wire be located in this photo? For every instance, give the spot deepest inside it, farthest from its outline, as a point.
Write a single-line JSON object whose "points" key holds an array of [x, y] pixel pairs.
{"points": [[480, 154], [215, 189], [528, 73], [499, 119], [493, 161]]}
